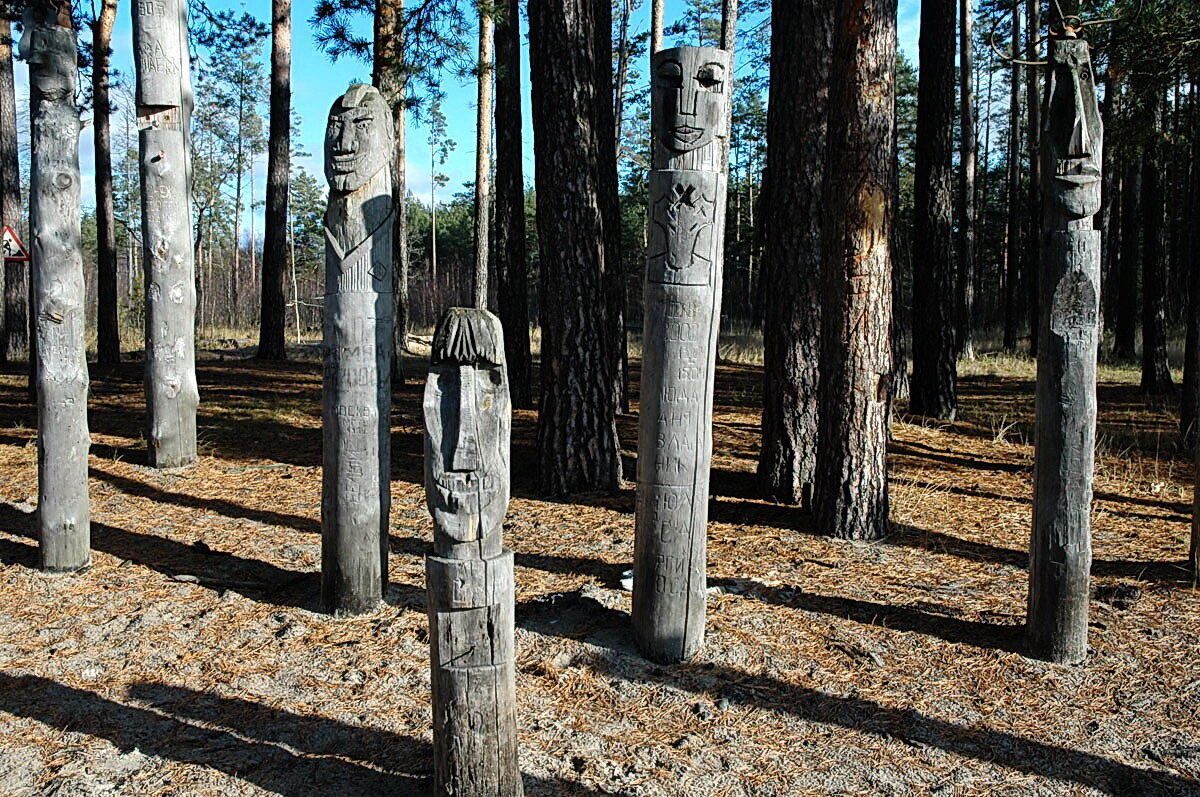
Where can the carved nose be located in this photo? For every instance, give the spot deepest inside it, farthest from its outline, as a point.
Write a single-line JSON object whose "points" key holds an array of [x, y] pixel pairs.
{"points": [[687, 102], [1079, 146], [465, 456], [345, 139]]}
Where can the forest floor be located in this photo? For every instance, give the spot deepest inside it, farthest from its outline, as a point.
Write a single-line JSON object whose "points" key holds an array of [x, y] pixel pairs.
{"points": [[188, 658]]}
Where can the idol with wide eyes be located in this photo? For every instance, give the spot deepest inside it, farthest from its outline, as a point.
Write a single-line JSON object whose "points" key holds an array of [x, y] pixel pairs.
{"points": [[358, 139], [691, 96]]}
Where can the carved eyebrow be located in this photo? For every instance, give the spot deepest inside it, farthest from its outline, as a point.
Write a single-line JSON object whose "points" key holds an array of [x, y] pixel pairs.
{"points": [[672, 66], [717, 68], [358, 119]]}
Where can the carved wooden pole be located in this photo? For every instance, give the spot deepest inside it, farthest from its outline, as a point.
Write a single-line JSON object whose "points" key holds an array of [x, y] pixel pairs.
{"points": [[356, 484], [1060, 553], [470, 574], [164, 108], [690, 94], [48, 45]]}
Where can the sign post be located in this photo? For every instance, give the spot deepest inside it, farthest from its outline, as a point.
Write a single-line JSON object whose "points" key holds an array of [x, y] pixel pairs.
{"points": [[13, 248]]}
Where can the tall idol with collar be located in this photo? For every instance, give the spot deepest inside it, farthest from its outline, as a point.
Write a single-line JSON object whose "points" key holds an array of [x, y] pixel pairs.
{"points": [[1060, 555], [355, 494], [690, 89]]}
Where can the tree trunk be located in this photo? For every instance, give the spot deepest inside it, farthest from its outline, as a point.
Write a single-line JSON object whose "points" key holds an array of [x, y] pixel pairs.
{"points": [[1189, 411], [1033, 248], [610, 204], [851, 498], [1109, 216], [965, 293], [391, 77], [1012, 249], [656, 26], [271, 345], [729, 15], [933, 377], [64, 530], [108, 337], [577, 434], [1156, 374], [483, 153], [512, 270], [791, 224], [16, 273], [164, 98], [1126, 326]]}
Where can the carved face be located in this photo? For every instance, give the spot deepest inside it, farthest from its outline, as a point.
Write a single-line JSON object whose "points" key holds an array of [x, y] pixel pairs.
{"points": [[467, 427], [358, 139], [690, 96], [1073, 134], [49, 49]]}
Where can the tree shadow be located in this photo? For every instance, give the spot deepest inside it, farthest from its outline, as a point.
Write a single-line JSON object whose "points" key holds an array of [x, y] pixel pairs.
{"points": [[992, 636], [215, 505], [609, 574], [276, 750], [215, 570], [867, 716]]}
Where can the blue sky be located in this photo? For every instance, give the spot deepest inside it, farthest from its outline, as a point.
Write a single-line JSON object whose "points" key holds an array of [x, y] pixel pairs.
{"points": [[316, 81]]}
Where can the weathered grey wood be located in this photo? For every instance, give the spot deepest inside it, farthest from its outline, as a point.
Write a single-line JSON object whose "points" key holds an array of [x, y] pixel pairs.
{"points": [[356, 482], [48, 45], [682, 313], [1060, 552], [164, 100], [469, 574]]}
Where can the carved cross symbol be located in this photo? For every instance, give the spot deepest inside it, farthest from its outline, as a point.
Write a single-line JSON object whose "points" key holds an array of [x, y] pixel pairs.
{"points": [[687, 219]]}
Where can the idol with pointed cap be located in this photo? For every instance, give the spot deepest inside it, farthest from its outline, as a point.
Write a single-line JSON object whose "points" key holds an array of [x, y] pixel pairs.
{"points": [[1072, 131]]}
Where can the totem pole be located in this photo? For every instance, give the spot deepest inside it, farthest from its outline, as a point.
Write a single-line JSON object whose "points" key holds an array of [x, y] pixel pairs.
{"points": [[64, 525], [356, 482], [690, 94], [469, 575], [164, 109], [1060, 553]]}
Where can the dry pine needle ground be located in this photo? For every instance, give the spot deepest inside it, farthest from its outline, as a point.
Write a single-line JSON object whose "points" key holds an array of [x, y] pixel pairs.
{"points": [[188, 660]]}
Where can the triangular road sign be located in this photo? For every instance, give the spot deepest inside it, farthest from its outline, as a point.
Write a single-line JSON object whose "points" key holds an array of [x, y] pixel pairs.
{"points": [[13, 248]]}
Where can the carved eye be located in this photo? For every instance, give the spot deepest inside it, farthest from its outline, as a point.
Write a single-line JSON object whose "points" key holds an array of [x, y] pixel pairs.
{"points": [[362, 123], [1085, 74], [670, 73], [709, 77]]}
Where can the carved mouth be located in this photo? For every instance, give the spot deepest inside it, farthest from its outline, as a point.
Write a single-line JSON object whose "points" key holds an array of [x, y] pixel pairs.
{"points": [[346, 163], [1077, 171], [686, 134]]}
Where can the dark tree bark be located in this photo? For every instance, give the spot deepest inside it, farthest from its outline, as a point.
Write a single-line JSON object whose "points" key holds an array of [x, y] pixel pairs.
{"points": [[791, 228], [933, 377], [1107, 221], [577, 434], [1189, 411], [1033, 250], [965, 293], [108, 337], [1156, 374], [851, 500], [390, 76], [1012, 249], [512, 270], [610, 206], [16, 274], [275, 255], [1125, 330]]}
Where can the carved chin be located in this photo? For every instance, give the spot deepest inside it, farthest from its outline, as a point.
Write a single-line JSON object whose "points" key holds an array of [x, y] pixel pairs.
{"points": [[1077, 201]]}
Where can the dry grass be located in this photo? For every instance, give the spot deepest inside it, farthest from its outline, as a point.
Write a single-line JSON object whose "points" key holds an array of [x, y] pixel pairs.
{"points": [[187, 660]]}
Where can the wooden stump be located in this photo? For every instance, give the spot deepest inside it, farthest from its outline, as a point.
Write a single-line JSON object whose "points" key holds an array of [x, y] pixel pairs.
{"points": [[470, 574], [1060, 553], [64, 524], [682, 317], [164, 100], [356, 415]]}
